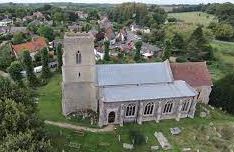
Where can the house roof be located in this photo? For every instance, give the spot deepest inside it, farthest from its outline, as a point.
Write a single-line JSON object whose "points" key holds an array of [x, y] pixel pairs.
{"points": [[194, 73], [177, 89], [126, 74], [31, 46]]}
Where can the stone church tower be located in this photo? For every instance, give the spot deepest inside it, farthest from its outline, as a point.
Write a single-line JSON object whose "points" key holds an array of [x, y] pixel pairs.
{"points": [[78, 85]]}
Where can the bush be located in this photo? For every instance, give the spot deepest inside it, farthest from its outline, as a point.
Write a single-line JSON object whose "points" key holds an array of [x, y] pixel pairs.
{"points": [[181, 59], [137, 137], [172, 19]]}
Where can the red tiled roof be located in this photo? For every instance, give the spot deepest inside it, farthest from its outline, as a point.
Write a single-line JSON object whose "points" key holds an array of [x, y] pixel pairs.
{"points": [[194, 73], [32, 46]]}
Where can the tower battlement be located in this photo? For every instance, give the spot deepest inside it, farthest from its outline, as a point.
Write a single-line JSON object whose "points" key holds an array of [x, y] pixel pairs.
{"points": [[71, 37]]}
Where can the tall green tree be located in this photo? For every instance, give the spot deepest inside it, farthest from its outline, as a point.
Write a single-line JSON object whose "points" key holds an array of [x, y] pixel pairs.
{"points": [[107, 51], [197, 39], [222, 94], [46, 32], [15, 71], [59, 54], [137, 56], [28, 65], [45, 63], [178, 41], [167, 50]]}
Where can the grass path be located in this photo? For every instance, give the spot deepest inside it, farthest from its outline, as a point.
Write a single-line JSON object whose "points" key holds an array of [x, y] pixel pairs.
{"points": [[108, 128]]}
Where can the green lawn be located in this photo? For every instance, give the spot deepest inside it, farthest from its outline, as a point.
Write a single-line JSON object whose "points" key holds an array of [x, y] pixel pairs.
{"points": [[193, 17], [224, 54]]}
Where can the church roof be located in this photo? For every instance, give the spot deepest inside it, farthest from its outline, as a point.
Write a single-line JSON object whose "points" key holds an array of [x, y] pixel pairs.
{"points": [[175, 89], [141, 73], [194, 73]]}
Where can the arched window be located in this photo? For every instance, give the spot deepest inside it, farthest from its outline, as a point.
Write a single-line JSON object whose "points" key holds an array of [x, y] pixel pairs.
{"points": [[130, 111], [78, 57], [185, 106], [168, 107], [149, 109]]}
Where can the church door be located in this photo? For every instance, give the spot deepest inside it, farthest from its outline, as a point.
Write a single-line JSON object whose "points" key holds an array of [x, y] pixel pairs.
{"points": [[111, 117]]}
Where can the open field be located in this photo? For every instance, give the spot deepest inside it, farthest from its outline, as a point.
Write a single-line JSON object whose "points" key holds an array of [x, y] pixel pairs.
{"points": [[193, 17], [194, 134]]}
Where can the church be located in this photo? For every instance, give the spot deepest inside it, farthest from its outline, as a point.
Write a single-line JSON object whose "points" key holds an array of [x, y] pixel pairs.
{"points": [[122, 93]]}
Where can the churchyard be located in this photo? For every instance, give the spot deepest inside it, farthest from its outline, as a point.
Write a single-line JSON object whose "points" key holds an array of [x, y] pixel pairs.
{"points": [[210, 130]]}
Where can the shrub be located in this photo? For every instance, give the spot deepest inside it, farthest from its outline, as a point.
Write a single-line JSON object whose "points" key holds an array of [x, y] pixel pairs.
{"points": [[137, 137], [181, 59]]}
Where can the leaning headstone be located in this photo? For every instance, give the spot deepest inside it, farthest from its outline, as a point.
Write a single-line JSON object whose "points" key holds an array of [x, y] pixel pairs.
{"points": [[119, 138], [203, 114], [154, 148], [127, 146], [175, 131], [146, 139], [162, 140], [186, 149]]}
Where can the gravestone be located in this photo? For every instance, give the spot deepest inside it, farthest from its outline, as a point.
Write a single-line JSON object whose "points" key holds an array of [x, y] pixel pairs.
{"points": [[127, 146], [175, 131], [162, 140], [154, 148]]}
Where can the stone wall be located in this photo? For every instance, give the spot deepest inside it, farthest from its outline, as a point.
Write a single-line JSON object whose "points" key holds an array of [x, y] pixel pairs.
{"points": [[203, 93]]}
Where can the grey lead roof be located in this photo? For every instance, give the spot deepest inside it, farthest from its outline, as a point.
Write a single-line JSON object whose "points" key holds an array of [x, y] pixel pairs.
{"points": [[147, 92], [143, 73]]}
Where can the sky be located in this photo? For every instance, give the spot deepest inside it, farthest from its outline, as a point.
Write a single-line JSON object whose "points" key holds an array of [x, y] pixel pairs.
{"points": [[121, 1]]}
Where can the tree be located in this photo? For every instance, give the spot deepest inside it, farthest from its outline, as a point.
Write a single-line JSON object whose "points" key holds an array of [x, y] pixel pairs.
{"points": [[167, 51], [197, 39], [25, 141], [107, 50], [9, 90], [222, 94], [46, 32], [137, 56], [177, 41], [223, 31], [28, 65], [59, 57], [20, 128], [45, 63], [15, 71], [5, 57], [20, 38]]}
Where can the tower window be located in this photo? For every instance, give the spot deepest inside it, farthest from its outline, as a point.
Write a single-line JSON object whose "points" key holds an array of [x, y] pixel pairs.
{"points": [[79, 74], [78, 57]]}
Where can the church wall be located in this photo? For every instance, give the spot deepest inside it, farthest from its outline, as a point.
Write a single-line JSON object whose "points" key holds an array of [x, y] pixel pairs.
{"points": [[139, 115], [204, 93]]}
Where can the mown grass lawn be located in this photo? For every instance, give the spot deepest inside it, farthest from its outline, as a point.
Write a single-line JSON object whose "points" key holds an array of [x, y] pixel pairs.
{"points": [[193, 17]]}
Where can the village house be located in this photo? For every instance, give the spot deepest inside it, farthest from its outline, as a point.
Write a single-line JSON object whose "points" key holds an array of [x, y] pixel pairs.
{"points": [[33, 47], [6, 22], [123, 93]]}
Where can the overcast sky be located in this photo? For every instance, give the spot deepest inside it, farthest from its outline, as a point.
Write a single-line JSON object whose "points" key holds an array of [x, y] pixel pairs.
{"points": [[121, 1]]}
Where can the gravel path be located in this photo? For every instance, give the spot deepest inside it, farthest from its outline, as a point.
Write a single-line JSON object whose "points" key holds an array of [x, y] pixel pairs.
{"points": [[108, 128]]}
